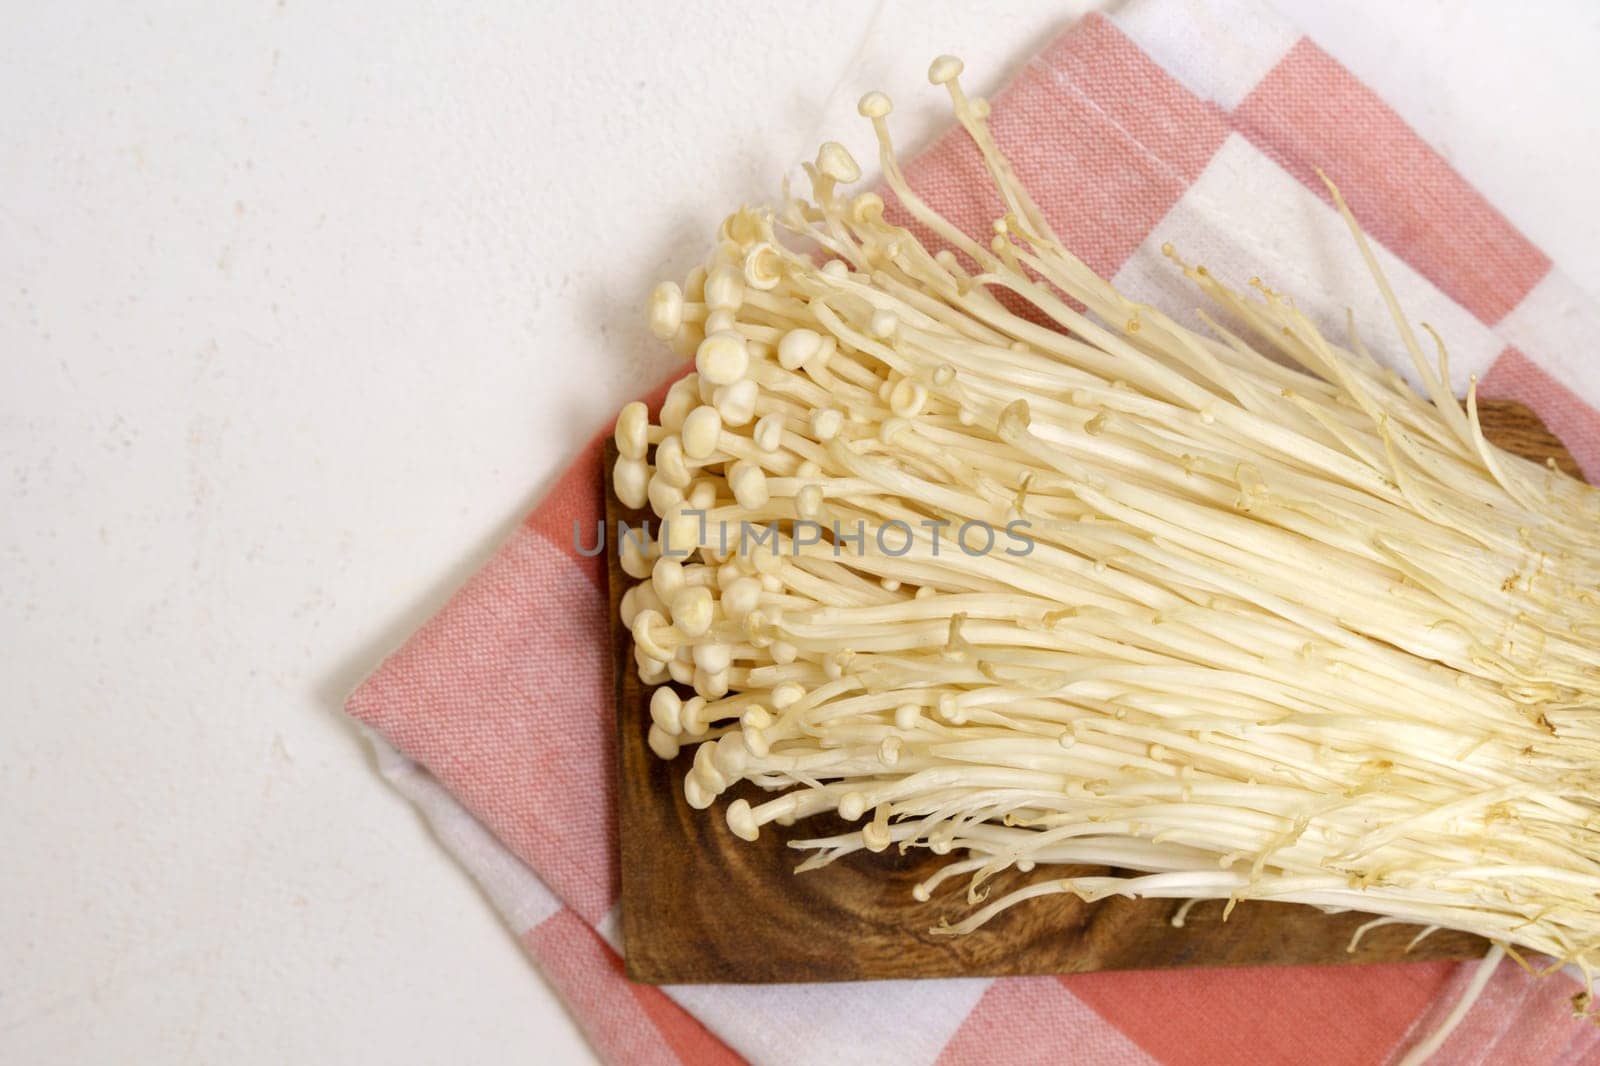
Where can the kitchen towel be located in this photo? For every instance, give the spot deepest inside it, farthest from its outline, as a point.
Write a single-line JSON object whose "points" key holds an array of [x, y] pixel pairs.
{"points": [[1195, 122]]}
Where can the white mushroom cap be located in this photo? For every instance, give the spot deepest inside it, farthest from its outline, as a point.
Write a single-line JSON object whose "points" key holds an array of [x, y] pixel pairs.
{"points": [[700, 432], [631, 479], [749, 485], [725, 289], [633, 430], [670, 463], [834, 160], [722, 358], [797, 346], [736, 403], [768, 433], [666, 310], [682, 397], [692, 610], [742, 820]]}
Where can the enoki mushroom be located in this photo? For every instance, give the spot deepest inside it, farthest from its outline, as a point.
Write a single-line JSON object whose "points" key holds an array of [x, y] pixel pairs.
{"points": [[989, 559]]}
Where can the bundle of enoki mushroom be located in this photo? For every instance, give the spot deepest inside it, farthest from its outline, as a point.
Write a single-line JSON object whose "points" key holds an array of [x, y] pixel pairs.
{"points": [[977, 552]]}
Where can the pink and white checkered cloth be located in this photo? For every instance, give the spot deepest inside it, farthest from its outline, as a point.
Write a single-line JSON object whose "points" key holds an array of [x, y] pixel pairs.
{"points": [[1193, 122]]}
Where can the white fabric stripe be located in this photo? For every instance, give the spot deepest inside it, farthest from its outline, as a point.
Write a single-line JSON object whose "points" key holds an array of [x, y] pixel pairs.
{"points": [[516, 891], [1217, 49], [1556, 326], [858, 1023], [1248, 217], [610, 927], [774, 1024]]}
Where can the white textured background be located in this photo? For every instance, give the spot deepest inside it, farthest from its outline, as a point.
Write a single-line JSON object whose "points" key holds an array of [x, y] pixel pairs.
{"points": [[300, 306]]}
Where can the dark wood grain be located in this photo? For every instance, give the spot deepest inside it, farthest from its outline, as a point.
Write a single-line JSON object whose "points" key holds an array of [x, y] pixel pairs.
{"points": [[700, 905]]}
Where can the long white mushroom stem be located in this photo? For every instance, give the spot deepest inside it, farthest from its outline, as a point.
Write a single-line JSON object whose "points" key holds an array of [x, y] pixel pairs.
{"points": [[1236, 611]]}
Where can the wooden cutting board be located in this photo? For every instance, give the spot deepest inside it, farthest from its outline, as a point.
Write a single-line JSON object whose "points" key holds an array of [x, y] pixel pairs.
{"points": [[700, 905]]}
